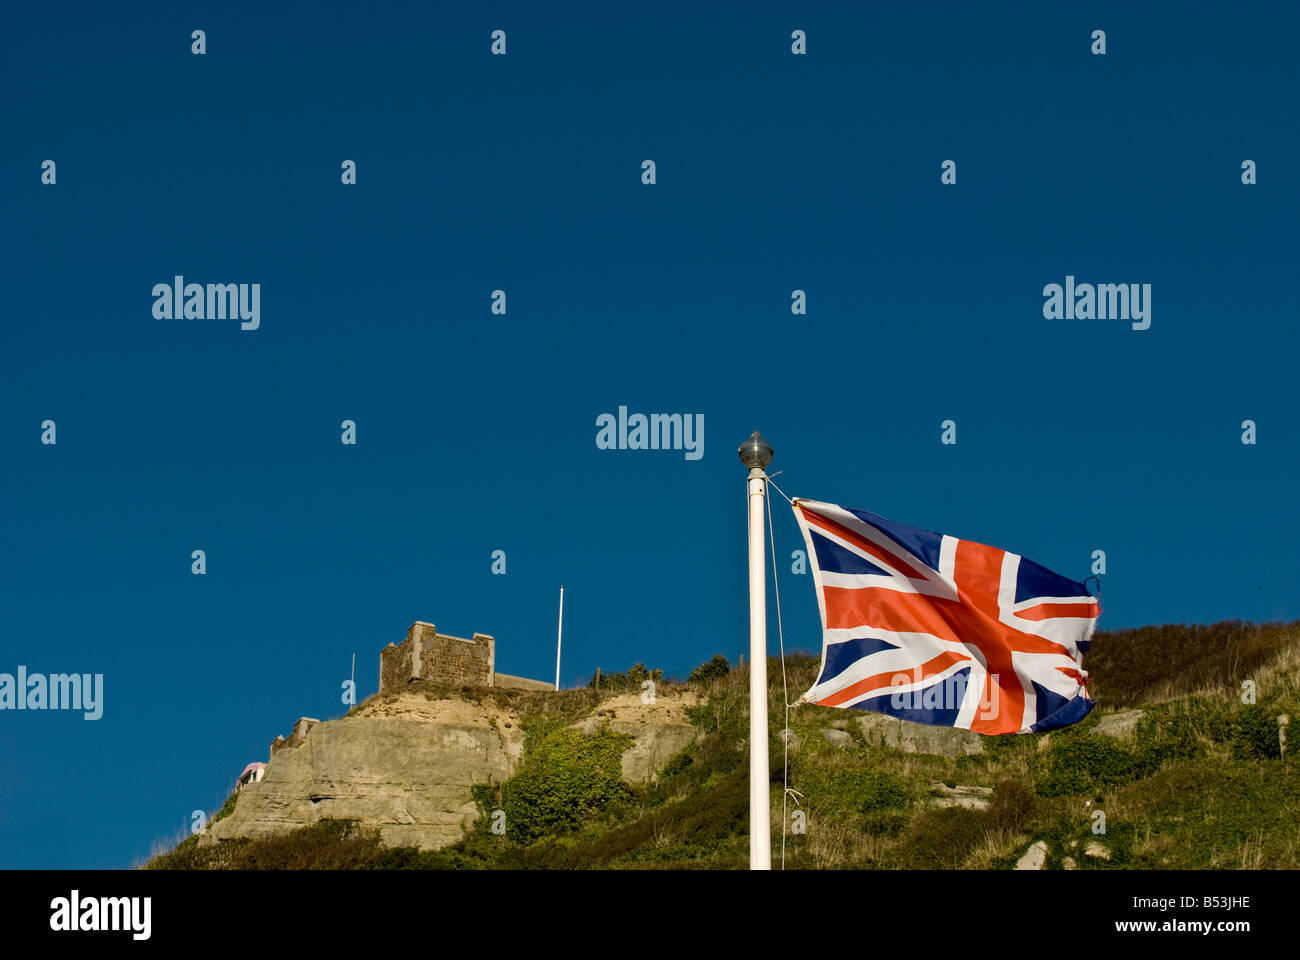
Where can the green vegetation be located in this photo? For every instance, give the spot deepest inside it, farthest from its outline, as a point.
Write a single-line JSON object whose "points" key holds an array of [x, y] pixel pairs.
{"points": [[328, 845], [1199, 783], [1146, 664], [569, 780], [622, 682], [713, 669], [226, 808]]}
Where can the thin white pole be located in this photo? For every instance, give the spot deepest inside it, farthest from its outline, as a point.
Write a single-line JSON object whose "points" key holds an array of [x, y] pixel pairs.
{"points": [[760, 815], [559, 637]]}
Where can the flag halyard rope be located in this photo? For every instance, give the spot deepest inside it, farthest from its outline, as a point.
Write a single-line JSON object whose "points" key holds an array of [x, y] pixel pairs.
{"points": [[786, 793], [771, 483]]}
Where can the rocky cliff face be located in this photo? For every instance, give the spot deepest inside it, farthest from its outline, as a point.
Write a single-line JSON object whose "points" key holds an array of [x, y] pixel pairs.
{"points": [[405, 764], [658, 730]]}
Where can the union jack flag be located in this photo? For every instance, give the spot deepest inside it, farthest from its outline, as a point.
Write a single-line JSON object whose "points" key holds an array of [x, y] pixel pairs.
{"points": [[942, 631]]}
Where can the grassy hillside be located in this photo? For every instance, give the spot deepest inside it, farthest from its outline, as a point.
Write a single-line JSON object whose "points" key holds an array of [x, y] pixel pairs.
{"points": [[1200, 783]]}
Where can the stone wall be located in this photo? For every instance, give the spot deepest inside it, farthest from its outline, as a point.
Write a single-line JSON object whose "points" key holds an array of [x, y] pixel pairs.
{"points": [[507, 682], [398, 664], [296, 738], [426, 654], [454, 660]]}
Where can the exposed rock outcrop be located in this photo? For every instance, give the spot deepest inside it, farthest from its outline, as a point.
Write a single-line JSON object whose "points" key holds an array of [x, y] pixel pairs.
{"points": [[1097, 850], [658, 730], [972, 798], [886, 731], [406, 765], [1034, 857], [1119, 725]]}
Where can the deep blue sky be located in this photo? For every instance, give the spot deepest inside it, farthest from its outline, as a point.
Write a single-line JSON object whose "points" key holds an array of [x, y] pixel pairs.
{"points": [[477, 432]]}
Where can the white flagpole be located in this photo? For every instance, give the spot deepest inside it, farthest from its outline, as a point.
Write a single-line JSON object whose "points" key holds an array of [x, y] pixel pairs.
{"points": [[756, 454], [559, 637]]}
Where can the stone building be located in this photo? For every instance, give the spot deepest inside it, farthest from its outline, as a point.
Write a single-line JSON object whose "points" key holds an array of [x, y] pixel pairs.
{"points": [[426, 654], [298, 736]]}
